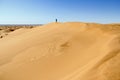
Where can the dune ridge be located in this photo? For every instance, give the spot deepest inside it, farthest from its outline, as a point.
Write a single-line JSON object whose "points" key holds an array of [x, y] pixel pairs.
{"points": [[62, 51]]}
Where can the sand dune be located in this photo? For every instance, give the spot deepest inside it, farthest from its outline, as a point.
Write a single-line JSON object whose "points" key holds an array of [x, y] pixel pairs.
{"points": [[62, 51], [6, 29]]}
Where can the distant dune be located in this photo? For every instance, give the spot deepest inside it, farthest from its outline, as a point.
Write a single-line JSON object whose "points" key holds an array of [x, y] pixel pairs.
{"points": [[6, 29], [62, 51]]}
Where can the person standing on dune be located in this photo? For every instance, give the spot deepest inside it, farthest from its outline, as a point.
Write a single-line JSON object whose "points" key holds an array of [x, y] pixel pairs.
{"points": [[56, 20]]}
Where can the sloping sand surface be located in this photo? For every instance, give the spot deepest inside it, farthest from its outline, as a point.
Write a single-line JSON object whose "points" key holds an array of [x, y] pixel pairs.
{"points": [[62, 51]]}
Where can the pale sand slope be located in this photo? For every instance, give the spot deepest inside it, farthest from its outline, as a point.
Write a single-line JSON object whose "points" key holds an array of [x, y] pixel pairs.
{"points": [[62, 51]]}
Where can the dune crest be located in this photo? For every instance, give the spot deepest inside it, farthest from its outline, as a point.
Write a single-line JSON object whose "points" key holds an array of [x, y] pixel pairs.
{"points": [[62, 51]]}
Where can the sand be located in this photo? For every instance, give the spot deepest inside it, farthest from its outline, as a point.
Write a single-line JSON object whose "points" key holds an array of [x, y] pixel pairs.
{"points": [[6, 29], [62, 51]]}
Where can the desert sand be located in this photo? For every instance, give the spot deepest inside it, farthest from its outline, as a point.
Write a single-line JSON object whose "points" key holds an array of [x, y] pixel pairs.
{"points": [[62, 51], [6, 29]]}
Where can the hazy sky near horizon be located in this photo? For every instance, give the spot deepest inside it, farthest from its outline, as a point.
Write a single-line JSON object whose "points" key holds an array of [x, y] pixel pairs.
{"points": [[45, 11]]}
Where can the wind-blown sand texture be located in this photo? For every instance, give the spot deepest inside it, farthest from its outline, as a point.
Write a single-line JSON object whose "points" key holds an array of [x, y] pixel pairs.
{"points": [[62, 51]]}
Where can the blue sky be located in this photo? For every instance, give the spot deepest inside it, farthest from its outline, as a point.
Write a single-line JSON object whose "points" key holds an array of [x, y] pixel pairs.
{"points": [[45, 11]]}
